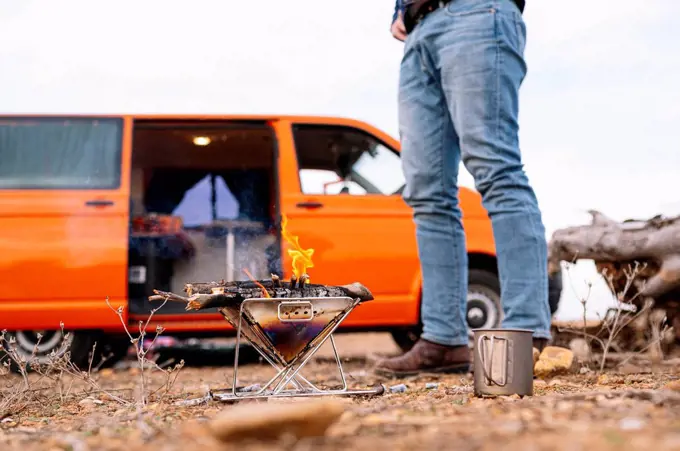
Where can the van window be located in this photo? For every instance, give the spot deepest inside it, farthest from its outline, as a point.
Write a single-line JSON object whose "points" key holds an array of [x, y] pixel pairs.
{"points": [[60, 153], [344, 160]]}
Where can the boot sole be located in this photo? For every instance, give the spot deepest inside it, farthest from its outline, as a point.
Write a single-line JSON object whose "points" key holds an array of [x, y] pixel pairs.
{"points": [[452, 369]]}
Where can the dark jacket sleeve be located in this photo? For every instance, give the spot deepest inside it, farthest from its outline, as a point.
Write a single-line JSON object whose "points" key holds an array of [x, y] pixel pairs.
{"points": [[397, 7]]}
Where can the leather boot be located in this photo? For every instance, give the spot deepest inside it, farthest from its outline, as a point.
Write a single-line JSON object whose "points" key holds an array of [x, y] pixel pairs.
{"points": [[427, 357], [540, 343]]}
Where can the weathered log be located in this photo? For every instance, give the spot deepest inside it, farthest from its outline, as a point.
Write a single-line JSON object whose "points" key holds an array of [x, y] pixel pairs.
{"points": [[656, 240], [223, 294]]}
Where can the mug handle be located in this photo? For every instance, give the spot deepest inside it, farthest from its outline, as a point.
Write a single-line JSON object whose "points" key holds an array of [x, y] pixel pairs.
{"points": [[482, 358]]}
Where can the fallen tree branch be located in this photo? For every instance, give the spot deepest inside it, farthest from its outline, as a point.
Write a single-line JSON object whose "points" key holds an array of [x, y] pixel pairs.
{"points": [[655, 240]]}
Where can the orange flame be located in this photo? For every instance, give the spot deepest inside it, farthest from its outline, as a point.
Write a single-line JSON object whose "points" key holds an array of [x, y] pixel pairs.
{"points": [[265, 293], [302, 258]]}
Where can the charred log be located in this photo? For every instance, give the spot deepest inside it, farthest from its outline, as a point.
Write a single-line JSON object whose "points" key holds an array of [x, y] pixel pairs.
{"points": [[276, 280], [303, 280]]}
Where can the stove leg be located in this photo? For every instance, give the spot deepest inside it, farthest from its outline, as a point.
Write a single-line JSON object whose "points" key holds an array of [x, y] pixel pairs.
{"points": [[337, 359]]}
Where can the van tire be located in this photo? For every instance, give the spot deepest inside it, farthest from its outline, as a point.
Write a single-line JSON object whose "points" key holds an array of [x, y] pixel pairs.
{"points": [[484, 296], [555, 291], [109, 349], [32, 346]]}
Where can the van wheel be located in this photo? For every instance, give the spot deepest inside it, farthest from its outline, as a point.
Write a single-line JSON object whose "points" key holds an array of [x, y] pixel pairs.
{"points": [[483, 308], [555, 291], [27, 346], [53, 344]]}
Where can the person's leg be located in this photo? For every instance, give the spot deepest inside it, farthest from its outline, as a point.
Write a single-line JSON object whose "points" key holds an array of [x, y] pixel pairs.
{"points": [[480, 53], [430, 160]]}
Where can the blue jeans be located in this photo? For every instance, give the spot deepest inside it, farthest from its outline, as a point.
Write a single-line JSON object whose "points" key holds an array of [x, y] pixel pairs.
{"points": [[458, 98]]}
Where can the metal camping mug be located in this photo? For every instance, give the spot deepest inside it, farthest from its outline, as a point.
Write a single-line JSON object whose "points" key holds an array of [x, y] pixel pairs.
{"points": [[503, 362]]}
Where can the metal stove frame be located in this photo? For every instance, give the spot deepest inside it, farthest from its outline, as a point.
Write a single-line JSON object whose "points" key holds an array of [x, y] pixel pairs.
{"points": [[289, 372]]}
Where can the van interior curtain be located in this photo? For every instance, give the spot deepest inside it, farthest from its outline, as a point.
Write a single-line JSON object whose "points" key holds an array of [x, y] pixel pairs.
{"points": [[59, 154]]}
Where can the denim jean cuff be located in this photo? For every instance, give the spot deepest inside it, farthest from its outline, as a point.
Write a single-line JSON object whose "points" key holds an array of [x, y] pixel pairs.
{"points": [[445, 341], [542, 334]]}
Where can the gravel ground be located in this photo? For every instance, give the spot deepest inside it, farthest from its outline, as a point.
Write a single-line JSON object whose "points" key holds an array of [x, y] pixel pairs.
{"points": [[635, 410]]}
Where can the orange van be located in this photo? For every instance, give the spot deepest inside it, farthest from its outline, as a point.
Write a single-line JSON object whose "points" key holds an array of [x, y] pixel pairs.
{"points": [[97, 207]]}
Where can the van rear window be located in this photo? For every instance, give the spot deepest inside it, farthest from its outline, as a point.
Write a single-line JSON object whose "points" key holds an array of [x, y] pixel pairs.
{"points": [[60, 153]]}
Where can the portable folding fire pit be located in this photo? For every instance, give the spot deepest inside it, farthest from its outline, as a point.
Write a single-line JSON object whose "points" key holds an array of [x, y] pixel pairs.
{"points": [[286, 322]]}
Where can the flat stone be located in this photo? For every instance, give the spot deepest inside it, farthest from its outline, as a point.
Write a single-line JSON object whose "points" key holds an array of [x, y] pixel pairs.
{"points": [[271, 421], [672, 385], [554, 360]]}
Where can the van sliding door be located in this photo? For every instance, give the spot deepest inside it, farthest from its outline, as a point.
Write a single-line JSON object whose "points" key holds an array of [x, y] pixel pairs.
{"points": [[64, 220]]}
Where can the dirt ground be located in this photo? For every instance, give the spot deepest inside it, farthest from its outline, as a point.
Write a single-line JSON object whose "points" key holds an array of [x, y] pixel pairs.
{"points": [[632, 409]]}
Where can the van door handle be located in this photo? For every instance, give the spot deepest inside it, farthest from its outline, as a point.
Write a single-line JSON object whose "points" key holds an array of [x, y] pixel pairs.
{"points": [[99, 203], [309, 205]]}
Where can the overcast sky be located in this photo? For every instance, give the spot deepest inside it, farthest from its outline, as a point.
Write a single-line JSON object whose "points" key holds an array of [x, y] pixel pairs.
{"points": [[599, 114]]}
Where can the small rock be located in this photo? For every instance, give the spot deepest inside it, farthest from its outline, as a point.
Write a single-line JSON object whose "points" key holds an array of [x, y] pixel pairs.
{"points": [[581, 349], [540, 383], [432, 385], [536, 354], [673, 385], [585, 370], [90, 402], [401, 388], [631, 424], [271, 421], [106, 372], [8, 422], [554, 360]]}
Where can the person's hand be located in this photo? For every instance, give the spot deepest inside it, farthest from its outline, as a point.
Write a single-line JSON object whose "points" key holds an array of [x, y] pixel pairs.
{"points": [[398, 29]]}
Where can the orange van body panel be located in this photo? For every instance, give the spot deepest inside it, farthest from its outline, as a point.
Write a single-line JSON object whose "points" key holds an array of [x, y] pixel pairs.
{"points": [[59, 262]]}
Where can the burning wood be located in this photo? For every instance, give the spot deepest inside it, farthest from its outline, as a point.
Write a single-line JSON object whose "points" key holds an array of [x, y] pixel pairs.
{"points": [[302, 258], [303, 279], [203, 296]]}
